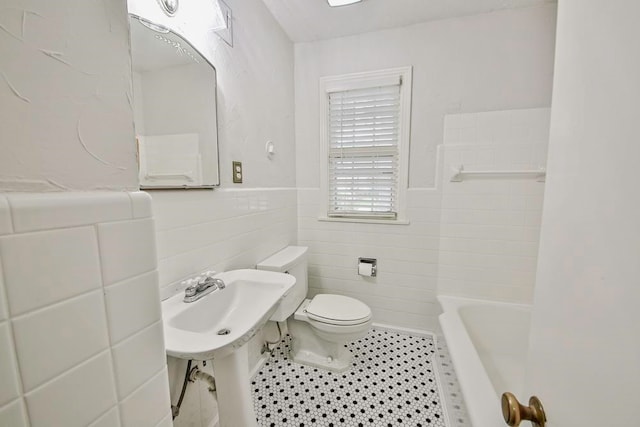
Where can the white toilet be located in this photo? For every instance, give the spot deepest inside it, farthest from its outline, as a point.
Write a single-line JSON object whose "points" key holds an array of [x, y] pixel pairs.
{"points": [[320, 326]]}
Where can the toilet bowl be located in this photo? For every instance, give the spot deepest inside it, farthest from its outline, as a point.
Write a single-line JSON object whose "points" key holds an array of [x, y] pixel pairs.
{"points": [[320, 327]]}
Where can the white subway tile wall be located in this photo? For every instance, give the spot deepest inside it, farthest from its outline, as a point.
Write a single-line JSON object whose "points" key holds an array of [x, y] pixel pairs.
{"points": [[68, 353], [491, 226], [477, 238], [220, 229], [404, 291]]}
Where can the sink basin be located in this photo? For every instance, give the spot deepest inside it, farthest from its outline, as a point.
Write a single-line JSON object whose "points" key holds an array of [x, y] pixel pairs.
{"points": [[224, 320]]}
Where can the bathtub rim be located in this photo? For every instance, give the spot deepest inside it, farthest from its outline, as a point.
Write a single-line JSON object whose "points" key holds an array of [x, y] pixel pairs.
{"points": [[484, 408]]}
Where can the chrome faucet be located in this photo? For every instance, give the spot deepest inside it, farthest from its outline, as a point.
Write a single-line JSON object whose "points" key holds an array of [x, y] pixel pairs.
{"points": [[201, 288]]}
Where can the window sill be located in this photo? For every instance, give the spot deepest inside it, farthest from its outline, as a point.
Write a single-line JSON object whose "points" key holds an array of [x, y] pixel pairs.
{"points": [[364, 220]]}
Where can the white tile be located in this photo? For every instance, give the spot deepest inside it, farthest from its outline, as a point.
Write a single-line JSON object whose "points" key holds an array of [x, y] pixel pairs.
{"points": [[138, 358], [6, 226], [3, 303], [13, 415], [166, 421], [41, 211], [127, 249], [49, 266], [132, 305], [57, 338], [141, 204], [76, 398], [143, 407], [9, 379], [110, 419]]}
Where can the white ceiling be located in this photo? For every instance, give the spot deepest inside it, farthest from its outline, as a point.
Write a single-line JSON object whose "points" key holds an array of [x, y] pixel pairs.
{"points": [[310, 20]]}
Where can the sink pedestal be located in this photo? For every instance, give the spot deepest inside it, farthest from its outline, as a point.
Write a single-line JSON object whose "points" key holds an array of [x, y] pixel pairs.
{"points": [[235, 403]]}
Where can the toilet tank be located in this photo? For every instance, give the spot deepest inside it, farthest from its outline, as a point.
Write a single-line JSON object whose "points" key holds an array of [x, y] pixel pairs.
{"points": [[291, 260]]}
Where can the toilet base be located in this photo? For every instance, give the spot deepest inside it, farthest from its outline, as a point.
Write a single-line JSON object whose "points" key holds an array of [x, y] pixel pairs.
{"points": [[335, 364], [309, 349]]}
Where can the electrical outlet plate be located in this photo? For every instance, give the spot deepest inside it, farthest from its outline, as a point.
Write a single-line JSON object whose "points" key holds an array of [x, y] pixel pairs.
{"points": [[237, 172]]}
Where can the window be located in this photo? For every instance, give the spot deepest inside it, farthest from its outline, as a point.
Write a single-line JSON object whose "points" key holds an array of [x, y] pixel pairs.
{"points": [[365, 141]]}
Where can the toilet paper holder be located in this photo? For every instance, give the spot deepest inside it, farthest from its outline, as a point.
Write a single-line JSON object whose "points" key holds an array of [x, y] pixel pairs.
{"points": [[374, 266]]}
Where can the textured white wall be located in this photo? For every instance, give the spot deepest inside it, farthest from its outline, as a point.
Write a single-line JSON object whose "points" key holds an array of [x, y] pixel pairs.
{"points": [[496, 61], [585, 342], [65, 92]]}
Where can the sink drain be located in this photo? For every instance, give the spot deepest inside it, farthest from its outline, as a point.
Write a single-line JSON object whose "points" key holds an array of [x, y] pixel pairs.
{"points": [[224, 331]]}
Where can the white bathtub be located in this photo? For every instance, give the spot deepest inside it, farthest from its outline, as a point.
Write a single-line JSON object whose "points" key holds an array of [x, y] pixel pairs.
{"points": [[488, 343]]}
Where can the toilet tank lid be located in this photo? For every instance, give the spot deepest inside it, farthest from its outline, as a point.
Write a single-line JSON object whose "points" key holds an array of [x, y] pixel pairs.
{"points": [[283, 260]]}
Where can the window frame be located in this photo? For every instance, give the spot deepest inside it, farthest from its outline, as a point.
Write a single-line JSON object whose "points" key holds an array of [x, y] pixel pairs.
{"points": [[364, 80]]}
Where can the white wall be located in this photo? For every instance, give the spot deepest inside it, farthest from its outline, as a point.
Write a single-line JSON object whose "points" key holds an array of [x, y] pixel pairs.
{"points": [[236, 225], [496, 61], [255, 87], [80, 323], [490, 227], [65, 90], [404, 291], [585, 345]]}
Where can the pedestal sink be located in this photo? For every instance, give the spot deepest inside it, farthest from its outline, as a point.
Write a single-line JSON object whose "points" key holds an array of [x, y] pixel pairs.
{"points": [[217, 326]]}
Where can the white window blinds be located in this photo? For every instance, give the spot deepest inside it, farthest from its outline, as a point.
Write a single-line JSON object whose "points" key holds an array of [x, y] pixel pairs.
{"points": [[363, 152]]}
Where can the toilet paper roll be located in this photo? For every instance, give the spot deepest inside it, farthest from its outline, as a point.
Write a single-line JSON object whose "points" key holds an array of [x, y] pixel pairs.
{"points": [[365, 269]]}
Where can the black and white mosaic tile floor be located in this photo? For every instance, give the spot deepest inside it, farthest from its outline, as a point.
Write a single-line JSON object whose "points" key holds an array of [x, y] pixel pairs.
{"points": [[392, 383]]}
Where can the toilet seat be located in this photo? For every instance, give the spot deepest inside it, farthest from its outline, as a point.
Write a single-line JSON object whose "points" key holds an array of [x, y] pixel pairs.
{"points": [[337, 310]]}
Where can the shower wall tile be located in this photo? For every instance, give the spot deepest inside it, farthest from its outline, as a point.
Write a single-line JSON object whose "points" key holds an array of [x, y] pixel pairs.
{"points": [[49, 266], [14, 415], [126, 249], [68, 344], [75, 398], [490, 227], [80, 332]]}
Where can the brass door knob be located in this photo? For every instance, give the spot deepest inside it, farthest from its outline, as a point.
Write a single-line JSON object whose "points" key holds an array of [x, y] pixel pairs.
{"points": [[513, 412]]}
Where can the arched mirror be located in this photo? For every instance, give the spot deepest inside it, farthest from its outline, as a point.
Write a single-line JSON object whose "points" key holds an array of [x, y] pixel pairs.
{"points": [[174, 100]]}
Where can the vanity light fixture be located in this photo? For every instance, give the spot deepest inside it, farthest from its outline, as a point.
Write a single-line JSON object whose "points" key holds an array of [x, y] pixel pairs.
{"points": [[335, 3]]}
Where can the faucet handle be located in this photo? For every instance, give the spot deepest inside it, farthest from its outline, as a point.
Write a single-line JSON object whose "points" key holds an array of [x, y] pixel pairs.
{"points": [[191, 289]]}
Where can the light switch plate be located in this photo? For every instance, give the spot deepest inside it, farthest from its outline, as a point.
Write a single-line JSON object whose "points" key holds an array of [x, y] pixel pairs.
{"points": [[237, 172]]}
